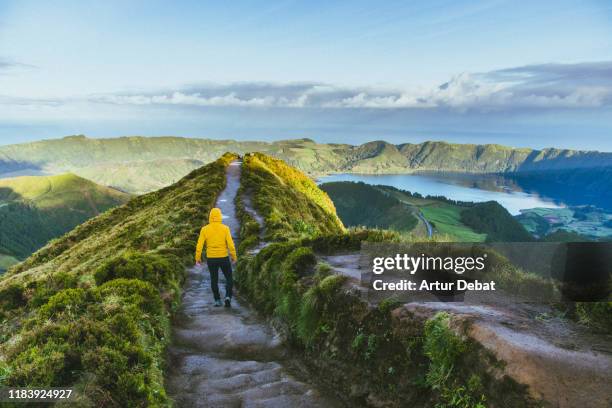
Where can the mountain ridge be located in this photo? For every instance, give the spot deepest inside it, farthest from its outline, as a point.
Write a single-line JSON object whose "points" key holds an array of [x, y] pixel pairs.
{"points": [[138, 164]]}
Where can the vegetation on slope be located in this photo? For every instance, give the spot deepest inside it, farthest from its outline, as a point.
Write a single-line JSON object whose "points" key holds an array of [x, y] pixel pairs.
{"points": [[443, 214], [370, 355], [6, 261], [91, 309], [494, 220], [34, 210], [290, 202], [360, 204]]}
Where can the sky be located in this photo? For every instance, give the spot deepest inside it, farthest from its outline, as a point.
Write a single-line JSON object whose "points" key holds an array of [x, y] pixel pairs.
{"points": [[526, 74]]}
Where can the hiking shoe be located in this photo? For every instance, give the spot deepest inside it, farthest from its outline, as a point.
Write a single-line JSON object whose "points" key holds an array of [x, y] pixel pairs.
{"points": [[228, 301], [218, 303]]}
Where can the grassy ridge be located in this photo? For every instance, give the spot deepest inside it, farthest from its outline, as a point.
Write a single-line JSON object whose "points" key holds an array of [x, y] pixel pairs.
{"points": [[91, 309], [290, 202], [370, 355], [34, 210], [446, 219]]}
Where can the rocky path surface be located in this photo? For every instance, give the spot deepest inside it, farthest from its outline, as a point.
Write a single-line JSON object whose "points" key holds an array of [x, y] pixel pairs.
{"points": [[561, 362], [228, 357]]}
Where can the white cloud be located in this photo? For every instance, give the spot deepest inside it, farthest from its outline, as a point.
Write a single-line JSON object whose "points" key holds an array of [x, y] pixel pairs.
{"points": [[548, 86]]}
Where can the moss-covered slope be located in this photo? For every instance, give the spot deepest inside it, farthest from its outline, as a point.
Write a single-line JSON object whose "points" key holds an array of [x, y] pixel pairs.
{"points": [[90, 310], [371, 355], [290, 202]]}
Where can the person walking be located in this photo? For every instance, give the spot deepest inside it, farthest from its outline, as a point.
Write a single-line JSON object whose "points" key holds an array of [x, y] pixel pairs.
{"points": [[218, 239]]}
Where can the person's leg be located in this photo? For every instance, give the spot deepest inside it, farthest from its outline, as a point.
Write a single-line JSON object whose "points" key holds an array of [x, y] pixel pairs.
{"points": [[213, 267], [226, 267]]}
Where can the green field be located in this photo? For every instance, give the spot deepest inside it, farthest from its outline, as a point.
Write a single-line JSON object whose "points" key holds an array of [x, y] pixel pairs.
{"points": [[446, 221], [444, 217]]}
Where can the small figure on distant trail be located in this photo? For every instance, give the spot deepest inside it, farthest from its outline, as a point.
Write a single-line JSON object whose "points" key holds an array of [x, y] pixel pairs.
{"points": [[218, 239]]}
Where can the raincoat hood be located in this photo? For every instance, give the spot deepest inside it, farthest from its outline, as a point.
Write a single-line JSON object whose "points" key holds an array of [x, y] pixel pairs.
{"points": [[215, 215]]}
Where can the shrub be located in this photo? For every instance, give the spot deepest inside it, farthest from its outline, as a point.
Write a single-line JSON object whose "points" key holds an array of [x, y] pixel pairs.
{"points": [[133, 292], [11, 297], [315, 305], [70, 301], [444, 349], [149, 267], [597, 315]]}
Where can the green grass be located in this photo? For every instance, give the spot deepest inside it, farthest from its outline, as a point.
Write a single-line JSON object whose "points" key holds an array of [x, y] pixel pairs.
{"points": [[34, 210], [290, 202], [65, 190], [91, 310], [446, 219], [444, 216]]}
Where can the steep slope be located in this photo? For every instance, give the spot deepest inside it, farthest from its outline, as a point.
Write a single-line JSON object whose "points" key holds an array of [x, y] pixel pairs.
{"points": [[91, 310], [359, 204], [34, 210], [290, 201], [445, 354], [107, 161], [494, 220], [463, 157]]}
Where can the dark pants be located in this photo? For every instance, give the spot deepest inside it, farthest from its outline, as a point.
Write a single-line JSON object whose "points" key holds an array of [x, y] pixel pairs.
{"points": [[226, 267]]}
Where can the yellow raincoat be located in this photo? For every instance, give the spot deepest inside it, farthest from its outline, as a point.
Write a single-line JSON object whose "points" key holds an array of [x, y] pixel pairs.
{"points": [[216, 237]]}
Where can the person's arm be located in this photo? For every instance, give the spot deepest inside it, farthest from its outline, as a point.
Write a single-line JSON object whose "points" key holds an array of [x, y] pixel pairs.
{"points": [[230, 245], [200, 246]]}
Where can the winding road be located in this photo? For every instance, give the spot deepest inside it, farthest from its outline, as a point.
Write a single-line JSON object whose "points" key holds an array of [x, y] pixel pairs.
{"points": [[427, 224]]}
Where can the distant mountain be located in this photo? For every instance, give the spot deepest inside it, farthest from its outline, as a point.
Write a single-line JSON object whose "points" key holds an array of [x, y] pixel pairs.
{"points": [[141, 164], [34, 210]]}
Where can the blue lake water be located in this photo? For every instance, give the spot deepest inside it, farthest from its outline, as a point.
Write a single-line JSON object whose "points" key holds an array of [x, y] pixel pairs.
{"points": [[458, 186]]}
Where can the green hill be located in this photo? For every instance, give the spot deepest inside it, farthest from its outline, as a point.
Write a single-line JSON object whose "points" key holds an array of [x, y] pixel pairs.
{"points": [[494, 220], [290, 202], [140, 164], [34, 210], [359, 204], [90, 310]]}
